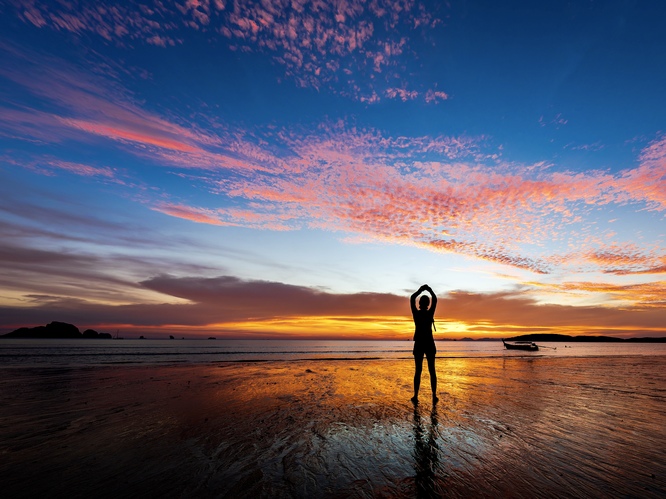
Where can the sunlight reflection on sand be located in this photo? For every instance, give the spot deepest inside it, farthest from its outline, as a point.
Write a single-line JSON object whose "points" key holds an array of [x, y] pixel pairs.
{"points": [[522, 427]]}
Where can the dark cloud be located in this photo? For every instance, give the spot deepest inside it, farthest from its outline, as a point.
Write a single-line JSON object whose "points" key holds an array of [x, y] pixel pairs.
{"points": [[231, 300], [266, 299]]}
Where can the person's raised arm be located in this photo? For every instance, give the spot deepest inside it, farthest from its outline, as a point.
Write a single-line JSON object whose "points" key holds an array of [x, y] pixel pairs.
{"points": [[412, 299], [433, 302]]}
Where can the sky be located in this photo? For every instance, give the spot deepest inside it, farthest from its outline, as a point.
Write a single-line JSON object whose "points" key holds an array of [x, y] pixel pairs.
{"points": [[297, 168]]}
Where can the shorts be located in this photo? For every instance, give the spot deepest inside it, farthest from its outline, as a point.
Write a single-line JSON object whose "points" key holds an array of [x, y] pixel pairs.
{"points": [[428, 349]]}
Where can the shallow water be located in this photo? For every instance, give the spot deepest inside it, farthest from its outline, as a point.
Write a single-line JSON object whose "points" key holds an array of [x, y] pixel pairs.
{"points": [[15, 352], [504, 427]]}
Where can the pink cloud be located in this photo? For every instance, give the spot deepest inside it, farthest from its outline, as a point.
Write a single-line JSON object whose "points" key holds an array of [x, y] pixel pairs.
{"points": [[86, 107], [198, 215], [596, 146], [120, 22], [401, 93], [443, 193], [30, 125], [225, 217], [159, 41], [297, 34], [119, 133], [435, 96], [34, 16], [81, 97], [368, 184], [84, 170], [627, 258], [557, 121], [648, 181]]}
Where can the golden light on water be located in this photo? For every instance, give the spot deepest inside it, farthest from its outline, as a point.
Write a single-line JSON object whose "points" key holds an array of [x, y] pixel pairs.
{"points": [[453, 376]]}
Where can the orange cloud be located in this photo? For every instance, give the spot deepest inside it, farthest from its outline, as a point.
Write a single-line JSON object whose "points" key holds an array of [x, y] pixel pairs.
{"points": [[197, 215], [640, 295], [122, 133]]}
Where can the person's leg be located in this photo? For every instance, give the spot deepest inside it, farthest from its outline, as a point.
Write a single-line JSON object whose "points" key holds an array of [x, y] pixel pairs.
{"points": [[433, 377], [418, 368]]}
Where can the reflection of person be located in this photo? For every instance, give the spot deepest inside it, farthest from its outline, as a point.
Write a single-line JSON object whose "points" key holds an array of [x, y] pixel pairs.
{"points": [[426, 455], [424, 343]]}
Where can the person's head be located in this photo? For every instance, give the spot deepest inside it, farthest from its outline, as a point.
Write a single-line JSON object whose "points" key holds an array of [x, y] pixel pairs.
{"points": [[424, 301]]}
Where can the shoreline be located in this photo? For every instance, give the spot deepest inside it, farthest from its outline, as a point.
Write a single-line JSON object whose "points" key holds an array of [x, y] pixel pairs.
{"points": [[517, 426], [517, 355], [72, 353]]}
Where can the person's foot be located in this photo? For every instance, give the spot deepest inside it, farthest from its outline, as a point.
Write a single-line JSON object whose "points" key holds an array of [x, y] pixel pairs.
{"points": [[435, 398], [414, 399]]}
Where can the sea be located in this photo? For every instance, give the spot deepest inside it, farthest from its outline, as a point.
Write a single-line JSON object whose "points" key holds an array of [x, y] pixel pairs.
{"points": [[98, 352]]}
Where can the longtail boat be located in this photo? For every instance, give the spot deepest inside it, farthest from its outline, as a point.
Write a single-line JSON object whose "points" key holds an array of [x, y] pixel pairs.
{"points": [[530, 346]]}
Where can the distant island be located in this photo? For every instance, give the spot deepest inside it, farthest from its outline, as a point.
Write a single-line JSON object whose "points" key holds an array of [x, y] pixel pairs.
{"points": [[583, 338], [56, 330]]}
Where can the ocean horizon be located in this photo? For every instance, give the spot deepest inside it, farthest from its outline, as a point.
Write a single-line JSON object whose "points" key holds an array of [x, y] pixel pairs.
{"points": [[94, 352]]}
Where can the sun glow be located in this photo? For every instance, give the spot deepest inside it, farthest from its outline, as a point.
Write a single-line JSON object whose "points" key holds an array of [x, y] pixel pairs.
{"points": [[380, 328]]}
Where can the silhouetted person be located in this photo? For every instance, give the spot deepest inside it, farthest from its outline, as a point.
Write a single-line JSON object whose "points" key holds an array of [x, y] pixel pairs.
{"points": [[424, 343]]}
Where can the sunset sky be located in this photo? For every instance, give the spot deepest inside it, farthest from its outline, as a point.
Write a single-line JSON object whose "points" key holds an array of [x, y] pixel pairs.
{"points": [[297, 168]]}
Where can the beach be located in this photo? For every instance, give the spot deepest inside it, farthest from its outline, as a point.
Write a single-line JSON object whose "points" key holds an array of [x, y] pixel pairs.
{"points": [[504, 427]]}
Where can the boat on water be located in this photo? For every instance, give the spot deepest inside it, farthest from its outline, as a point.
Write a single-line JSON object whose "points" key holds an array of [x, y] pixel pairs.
{"points": [[529, 346]]}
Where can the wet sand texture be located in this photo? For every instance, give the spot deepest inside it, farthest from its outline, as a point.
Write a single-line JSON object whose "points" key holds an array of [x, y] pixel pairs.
{"points": [[519, 427]]}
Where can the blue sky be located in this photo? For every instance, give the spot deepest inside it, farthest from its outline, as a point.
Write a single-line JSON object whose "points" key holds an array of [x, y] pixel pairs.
{"points": [[511, 155]]}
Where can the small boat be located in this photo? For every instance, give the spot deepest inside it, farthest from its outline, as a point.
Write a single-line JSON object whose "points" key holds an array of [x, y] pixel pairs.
{"points": [[530, 346]]}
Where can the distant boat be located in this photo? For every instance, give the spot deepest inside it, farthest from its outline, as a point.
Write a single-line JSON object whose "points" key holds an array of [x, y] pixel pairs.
{"points": [[530, 346], [118, 337]]}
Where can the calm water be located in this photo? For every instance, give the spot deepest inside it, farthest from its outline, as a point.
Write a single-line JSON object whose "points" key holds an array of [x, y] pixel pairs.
{"points": [[14, 352]]}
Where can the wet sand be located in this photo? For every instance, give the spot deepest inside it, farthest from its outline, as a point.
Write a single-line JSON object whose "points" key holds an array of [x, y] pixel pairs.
{"points": [[509, 427]]}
